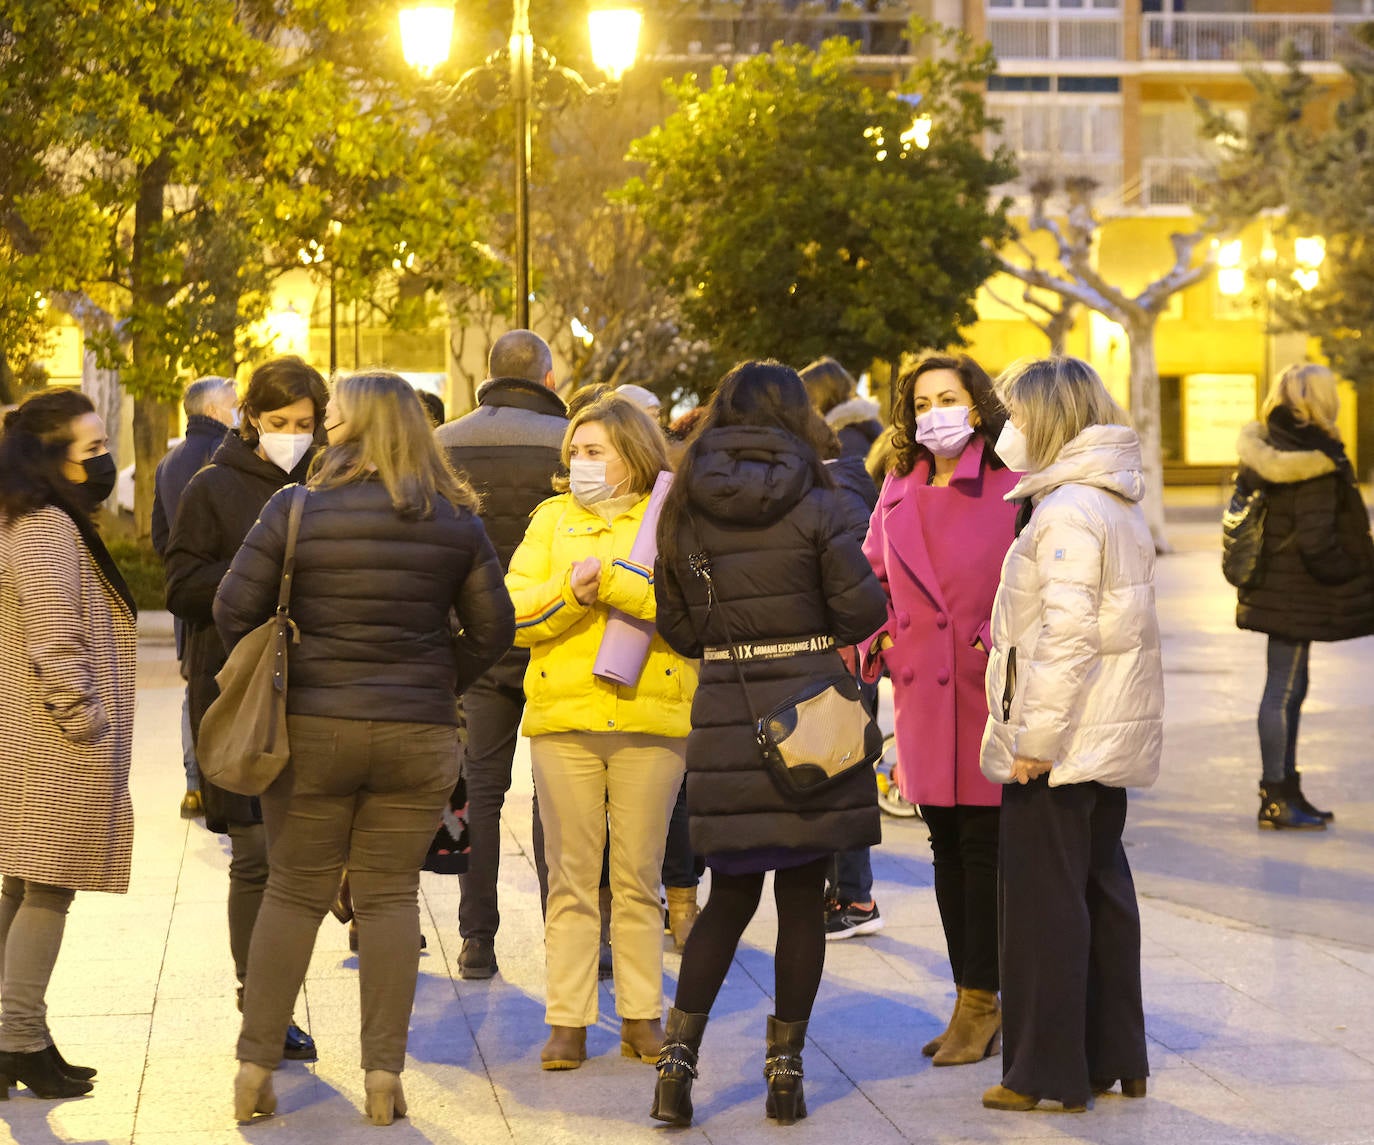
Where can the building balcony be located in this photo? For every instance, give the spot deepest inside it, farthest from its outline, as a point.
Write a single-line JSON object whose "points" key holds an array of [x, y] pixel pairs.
{"points": [[1056, 168], [881, 37], [1167, 184], [1226, 42], [1061, 36]]}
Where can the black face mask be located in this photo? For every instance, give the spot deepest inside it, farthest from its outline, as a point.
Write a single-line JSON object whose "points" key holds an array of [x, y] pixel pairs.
{"points": [[101, 475]]}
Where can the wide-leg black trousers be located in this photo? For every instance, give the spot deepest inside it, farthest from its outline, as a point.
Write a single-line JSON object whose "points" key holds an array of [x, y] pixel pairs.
{"points": [[1071, 1005]]}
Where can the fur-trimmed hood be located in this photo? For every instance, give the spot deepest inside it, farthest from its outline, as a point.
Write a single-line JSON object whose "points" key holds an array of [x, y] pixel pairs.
{"points": [[1279, 466], [855, 411]]}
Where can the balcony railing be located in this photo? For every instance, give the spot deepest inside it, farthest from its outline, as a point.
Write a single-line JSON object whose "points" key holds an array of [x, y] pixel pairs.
{"points": [[881, 35], [1168, 182], [1057, 37], [1052, 166], [1206, 37]]}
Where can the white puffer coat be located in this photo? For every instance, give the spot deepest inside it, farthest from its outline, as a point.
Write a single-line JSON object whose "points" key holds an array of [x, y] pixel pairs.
{"points": [[1075, 675]]}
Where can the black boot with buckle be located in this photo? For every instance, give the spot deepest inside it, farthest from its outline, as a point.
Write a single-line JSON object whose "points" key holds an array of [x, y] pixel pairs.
{"points": [[1280, 810], [677, 1067], [783, 1069]]}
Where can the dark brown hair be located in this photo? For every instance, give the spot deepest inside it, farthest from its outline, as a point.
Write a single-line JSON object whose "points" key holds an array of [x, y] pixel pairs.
{"points": [[992, 415], [829, 384], [32, 449], [280, 382]]}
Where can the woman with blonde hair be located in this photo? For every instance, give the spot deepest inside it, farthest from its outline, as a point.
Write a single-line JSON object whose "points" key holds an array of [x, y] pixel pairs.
{"points": [[389, 549], [1075, 694], [1316, 566], [597, 746]]}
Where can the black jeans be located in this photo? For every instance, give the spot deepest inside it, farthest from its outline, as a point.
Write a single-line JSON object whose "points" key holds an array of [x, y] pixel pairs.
{"points": [[963, 841], [1285, 688], [493, 707], [1071, 1005]]}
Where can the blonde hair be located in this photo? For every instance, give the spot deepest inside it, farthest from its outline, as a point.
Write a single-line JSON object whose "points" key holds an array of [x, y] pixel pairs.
{"points": [[388, 436], [1309, 391], [1054, 400], [633, 434]]}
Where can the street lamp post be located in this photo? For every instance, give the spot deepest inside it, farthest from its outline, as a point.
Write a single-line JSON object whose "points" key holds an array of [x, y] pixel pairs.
{"points": [[426, 33], [1232, 276]]}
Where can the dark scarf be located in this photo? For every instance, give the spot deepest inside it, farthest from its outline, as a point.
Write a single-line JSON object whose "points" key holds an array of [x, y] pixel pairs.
{"points": [[100, 554], [1286, 432]]}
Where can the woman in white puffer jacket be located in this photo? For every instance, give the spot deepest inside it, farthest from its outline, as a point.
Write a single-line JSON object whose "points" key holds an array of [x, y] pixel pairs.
{"points": [[1076, 696]]}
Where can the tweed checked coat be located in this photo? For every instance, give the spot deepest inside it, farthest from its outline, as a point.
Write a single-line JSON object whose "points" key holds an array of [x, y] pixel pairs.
{"points": [[66, 709]]}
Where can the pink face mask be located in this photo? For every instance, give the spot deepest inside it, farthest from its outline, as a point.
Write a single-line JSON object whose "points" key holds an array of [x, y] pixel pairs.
{"points": [[944, 430]]}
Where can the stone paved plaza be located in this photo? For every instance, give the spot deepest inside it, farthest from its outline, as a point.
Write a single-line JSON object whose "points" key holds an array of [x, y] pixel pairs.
{"points": [[1258, 964]]}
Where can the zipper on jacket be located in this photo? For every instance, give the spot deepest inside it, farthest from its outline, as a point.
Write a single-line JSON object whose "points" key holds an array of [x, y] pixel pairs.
{"points": [[1009, 686]]}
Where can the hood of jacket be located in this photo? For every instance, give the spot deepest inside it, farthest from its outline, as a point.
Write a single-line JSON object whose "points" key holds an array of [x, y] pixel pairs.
{"points": [[202, 425], [1104, 456], [521, 393], [855, 411], [235, 453], [750, 475], [1279, 466]]}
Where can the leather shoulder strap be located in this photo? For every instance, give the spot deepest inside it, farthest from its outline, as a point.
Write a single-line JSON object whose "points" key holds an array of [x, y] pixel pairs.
{"points": [[288, 564]]}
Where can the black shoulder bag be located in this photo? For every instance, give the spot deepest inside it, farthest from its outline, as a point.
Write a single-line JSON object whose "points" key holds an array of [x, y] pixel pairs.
{"points": [[1242, 537], [817, 736]]}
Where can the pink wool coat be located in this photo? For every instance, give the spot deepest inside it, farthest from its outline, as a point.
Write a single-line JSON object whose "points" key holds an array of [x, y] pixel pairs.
{"points": [[938, 552]]}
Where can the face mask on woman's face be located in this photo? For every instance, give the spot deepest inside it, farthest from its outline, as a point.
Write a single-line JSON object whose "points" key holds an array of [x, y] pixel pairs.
{"points": [[285, 450], [1011, 448], [101, 475], [944, 430], [587, 482]]}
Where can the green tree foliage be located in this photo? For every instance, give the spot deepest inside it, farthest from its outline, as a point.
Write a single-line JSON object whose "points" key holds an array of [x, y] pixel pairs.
{"points": [[1315, 171], [795, 215]]}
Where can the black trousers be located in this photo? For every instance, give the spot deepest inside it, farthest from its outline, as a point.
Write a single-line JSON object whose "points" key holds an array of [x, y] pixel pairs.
{"points": [[1071, 1006], [963, 841], [493, 707]]}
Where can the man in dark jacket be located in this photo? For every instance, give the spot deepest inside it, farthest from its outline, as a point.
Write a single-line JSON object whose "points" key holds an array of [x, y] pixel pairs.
{"points": [[209, 403], [510, 448]]}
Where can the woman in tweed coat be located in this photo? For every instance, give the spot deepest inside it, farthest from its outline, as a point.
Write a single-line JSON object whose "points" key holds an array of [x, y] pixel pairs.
{"points": [[67, 707]]}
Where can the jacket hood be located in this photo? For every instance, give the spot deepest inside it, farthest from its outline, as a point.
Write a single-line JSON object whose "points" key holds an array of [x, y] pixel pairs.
{"points": [[1105, 456], [750, 475], [855, 411], [1280, 466], [202, 425], [520, 393], [235, 453]]}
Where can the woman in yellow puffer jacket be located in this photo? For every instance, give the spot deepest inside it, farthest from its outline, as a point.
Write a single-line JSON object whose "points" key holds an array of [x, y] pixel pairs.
{"points": [[595, 746]]}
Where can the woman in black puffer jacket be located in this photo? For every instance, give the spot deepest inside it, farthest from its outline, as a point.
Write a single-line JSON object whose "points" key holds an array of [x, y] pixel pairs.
{"points": [[1317, 564], [753, 494], [390, 546]]}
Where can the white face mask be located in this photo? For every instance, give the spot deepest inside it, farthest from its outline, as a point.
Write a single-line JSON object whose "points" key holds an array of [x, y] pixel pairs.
{"points": [[1011, 448], [944, 430], [285, 450], [587, 482]]}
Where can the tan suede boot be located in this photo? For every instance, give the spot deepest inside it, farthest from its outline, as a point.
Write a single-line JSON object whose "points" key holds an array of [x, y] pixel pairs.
{"points": [[682, 913], [930, 1048], [641, 1038], [565, 1049], [976, 1031]]}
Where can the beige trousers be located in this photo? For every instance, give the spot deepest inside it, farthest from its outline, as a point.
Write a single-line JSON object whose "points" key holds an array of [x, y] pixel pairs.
{"points": [[579, 778]]}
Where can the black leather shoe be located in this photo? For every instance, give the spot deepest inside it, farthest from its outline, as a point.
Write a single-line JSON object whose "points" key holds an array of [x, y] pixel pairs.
{"points": [[40, 1073], [477, 960], [80, 1072], [300, 1046]]}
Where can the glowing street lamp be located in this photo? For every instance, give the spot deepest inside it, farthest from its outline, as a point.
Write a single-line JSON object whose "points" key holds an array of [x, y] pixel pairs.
{"points": [[427, 35], [1230, 272]]}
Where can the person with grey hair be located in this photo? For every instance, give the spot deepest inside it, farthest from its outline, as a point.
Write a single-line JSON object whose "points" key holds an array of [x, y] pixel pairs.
{"points": [[211, 411], [1075, 691], [509, 448]]}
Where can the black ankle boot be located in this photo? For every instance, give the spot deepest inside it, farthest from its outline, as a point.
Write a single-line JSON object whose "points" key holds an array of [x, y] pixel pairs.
{"points": [[1280, 809], [80, 1072], [1301, 800], [39, 1072], [677, 1067], [783, 1069]]}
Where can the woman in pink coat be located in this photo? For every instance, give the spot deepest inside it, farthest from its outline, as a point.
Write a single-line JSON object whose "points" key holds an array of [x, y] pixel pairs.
{"points": [[936, 541]]}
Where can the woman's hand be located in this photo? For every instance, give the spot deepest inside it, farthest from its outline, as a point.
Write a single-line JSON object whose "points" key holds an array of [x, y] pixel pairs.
{"points": [[881, 645], [586, 580], [1023, 770]]}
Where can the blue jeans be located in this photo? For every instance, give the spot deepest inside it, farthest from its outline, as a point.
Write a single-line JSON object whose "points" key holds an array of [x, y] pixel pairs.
{"points": [[188, 745], [1281, 706], [851, 876]]}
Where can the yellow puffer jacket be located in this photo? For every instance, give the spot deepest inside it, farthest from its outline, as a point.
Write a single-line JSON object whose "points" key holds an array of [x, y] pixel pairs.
{"points": [[561, 694]]}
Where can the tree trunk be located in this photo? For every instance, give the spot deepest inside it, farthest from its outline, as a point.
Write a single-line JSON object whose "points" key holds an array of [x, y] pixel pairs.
{"points": [[152, 423], [1145, 412], [152, 368]]}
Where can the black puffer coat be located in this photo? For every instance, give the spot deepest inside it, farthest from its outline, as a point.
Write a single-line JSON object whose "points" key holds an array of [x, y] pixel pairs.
{"points": [[371, 598], [1318, 558], [786, 562], [213, 516]]}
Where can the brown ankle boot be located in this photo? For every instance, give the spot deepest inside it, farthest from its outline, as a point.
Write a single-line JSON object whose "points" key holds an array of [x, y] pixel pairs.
{"points": [[641, 1038], [976, 1031], [932, 1046], [565, 1049], [682, 913]]}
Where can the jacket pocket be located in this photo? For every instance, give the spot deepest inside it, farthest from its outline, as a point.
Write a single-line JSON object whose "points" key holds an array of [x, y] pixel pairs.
{"points": [[1001, 683]]}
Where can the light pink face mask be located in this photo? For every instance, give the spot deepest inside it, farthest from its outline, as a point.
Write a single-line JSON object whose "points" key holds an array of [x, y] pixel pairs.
{"points": [[944, 430]]}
